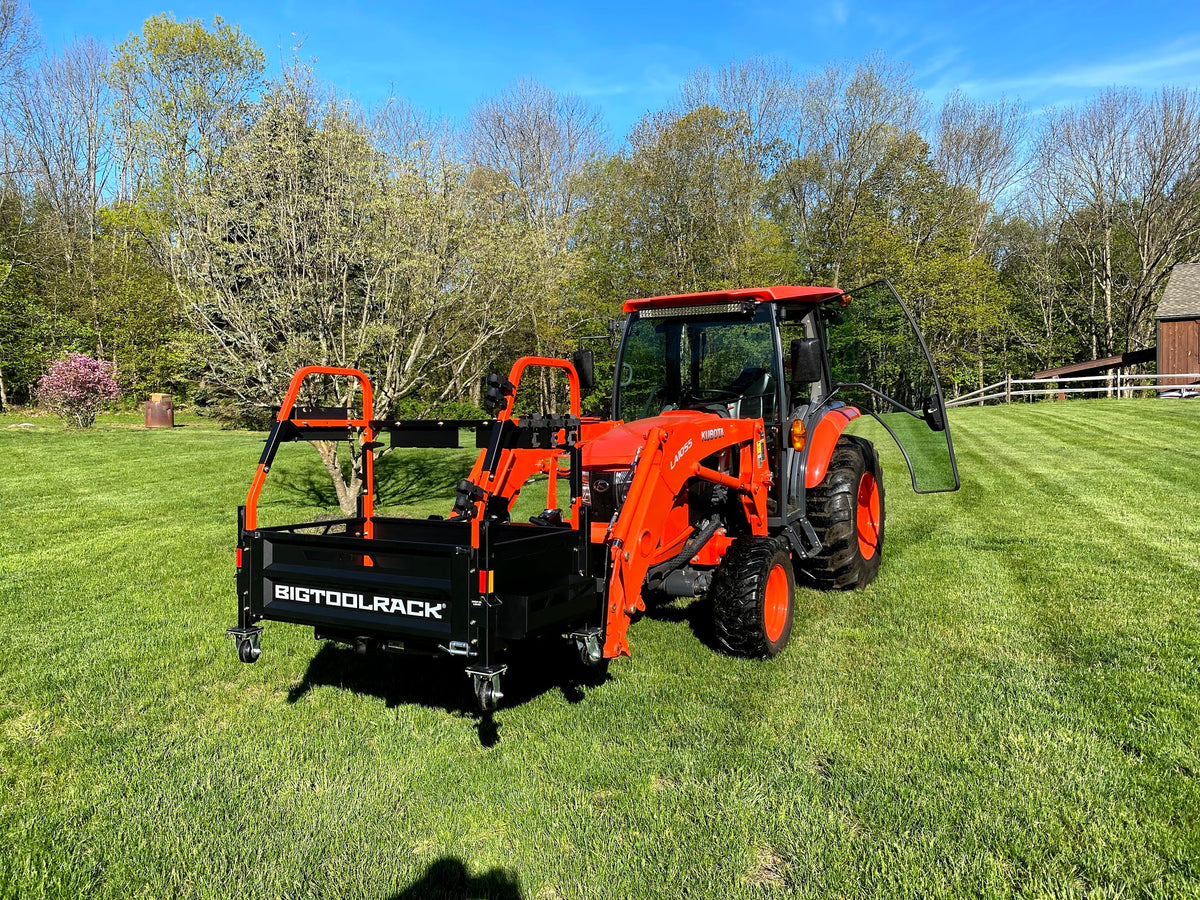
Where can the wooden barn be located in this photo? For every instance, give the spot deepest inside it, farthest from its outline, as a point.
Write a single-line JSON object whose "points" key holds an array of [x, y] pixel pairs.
{"points": [[1178, 324]]}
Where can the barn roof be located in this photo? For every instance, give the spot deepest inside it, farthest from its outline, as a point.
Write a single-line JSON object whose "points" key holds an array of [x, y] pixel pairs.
{"points": [[1096, 366], [1181, 299]]}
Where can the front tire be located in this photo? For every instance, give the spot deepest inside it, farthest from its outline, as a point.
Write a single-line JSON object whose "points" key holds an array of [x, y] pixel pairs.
{"points": [[847, 512], [753, 597]]}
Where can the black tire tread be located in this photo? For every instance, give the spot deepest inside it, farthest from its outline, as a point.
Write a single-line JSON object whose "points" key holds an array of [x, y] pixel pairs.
{"points": [[737, 597], [833, 512]]}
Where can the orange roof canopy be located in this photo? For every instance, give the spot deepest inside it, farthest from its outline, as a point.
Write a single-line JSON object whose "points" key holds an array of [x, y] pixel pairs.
{"points": [[782, 292]]}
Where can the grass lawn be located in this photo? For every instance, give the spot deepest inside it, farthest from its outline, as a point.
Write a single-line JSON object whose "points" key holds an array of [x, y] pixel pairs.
{"points": [[1012, 709]]}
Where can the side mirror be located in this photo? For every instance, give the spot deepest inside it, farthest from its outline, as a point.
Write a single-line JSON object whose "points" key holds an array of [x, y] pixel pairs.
{"points": [[585, 365], [833, 315], [808, 362], [933, 415]]}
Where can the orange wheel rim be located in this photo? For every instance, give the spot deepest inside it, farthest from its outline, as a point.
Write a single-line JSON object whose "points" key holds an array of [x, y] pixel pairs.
{"points": [[868, 515], [775, 609]]}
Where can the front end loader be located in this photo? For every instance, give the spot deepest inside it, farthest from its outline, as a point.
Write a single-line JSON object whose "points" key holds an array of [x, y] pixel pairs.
{"points": [[725, 471]]}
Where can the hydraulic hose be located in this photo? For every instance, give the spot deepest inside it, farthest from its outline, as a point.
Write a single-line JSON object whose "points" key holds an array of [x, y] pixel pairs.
{"points": [[691, 547]]}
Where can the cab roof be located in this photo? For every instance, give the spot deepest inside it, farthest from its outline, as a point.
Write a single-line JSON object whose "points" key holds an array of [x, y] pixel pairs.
{"points": [[781, 292]]}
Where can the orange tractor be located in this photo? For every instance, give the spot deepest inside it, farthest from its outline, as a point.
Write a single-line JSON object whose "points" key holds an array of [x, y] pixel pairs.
{"points": [[725, 471]]}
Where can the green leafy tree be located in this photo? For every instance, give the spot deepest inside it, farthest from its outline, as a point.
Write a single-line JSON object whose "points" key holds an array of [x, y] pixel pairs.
{"points": [[322, 249], [910, 228], [679, 211], [531, 146], [181, 89], [852, 119]]}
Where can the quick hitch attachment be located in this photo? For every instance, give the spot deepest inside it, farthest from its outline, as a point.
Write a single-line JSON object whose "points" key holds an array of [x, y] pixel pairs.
{"points": [[466, 496], [499, 390]]}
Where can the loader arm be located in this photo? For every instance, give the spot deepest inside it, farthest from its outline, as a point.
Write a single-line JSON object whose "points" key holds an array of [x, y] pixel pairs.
{"points": [[672, 456]]}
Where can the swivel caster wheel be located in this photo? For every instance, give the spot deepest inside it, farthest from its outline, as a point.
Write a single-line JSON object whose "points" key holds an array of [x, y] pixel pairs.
{"points": [[486, 682], [249, 651], [247, 640], [487, 698], [589, 648]]}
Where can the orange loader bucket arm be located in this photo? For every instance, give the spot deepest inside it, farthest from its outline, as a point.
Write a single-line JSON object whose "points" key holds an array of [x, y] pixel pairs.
{"points": [[669, 459]]}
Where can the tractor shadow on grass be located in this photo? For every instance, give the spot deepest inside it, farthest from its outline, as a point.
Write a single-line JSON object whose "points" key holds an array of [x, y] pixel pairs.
{"points": [[537, 667], [810, 605], [449, 879], [696, 613], [414, 476]]}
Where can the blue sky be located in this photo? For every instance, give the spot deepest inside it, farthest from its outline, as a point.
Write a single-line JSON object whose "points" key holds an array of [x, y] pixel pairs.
{"points": [[630, 57]]}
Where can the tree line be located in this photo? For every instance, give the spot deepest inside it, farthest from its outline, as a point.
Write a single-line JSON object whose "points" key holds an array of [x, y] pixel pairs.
{"points": [[169, 207]]}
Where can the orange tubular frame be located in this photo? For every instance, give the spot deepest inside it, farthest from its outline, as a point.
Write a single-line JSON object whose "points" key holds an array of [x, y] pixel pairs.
{"points": [[517, 467], [363, 423], [525, 362]]}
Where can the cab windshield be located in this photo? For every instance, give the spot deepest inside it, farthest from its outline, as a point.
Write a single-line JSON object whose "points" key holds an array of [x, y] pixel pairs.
{"points": [[722, 363]]}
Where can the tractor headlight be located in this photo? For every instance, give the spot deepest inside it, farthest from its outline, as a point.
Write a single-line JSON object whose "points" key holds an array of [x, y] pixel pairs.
{"points": [[621, 480], [604, 490]]}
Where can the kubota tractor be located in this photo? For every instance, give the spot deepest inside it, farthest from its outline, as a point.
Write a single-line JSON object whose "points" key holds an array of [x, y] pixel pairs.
{"points": [[725, 471]]}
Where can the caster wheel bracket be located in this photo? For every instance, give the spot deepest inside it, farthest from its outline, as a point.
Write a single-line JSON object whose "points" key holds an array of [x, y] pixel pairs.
{"points": [[486, 682], [591, 651], [247, 640]]}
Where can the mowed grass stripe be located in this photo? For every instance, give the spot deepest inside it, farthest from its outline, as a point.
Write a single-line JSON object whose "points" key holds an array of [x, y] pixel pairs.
{"points": [[1110, 507], [1003, 712]]}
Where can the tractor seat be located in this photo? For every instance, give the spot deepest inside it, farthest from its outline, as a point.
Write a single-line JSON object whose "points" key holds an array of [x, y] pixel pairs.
{"points": [[758, 396]]}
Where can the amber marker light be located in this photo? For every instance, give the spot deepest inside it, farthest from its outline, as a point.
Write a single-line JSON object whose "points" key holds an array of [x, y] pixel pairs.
{"points": [[799, 435]]}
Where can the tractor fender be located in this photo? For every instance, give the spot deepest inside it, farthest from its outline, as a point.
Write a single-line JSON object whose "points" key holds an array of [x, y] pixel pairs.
{"points": [[824, 439]]}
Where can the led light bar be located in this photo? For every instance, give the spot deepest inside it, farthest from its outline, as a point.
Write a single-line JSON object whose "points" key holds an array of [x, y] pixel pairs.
{"points": [[715, 309]]}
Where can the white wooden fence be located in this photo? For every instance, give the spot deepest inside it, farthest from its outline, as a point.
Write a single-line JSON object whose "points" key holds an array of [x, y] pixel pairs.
{"points": [[1119, 385]]}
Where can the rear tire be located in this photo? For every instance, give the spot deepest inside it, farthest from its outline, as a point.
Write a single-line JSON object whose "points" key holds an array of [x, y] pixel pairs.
{"points": [[847, 512], [753, 596]]}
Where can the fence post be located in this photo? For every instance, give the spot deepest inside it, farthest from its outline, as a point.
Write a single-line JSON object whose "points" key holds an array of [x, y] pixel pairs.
{"points": [[1008, 388]]}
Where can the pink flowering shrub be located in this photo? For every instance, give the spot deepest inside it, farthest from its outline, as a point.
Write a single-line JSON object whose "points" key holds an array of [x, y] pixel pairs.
{"points": [[75, 387]]}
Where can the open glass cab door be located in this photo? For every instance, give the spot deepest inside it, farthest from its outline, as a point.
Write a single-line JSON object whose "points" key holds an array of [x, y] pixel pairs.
{"points": [[880, 364]]}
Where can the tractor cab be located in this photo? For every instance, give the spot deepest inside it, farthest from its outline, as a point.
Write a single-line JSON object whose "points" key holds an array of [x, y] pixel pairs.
{"points": [[719, 360], [789, 355]]}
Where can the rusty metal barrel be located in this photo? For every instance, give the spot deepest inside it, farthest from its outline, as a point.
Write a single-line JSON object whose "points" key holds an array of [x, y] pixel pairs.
{"points": [[160, 411]]}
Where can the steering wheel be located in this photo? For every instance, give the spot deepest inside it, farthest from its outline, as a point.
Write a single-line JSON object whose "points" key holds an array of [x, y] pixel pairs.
{"points": [[715, 393], [653, 405]]}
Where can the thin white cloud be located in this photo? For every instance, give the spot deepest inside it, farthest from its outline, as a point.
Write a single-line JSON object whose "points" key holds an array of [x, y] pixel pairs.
{"points": [[1177, 62], [598, 89], [834, 14], [939, 66]]}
